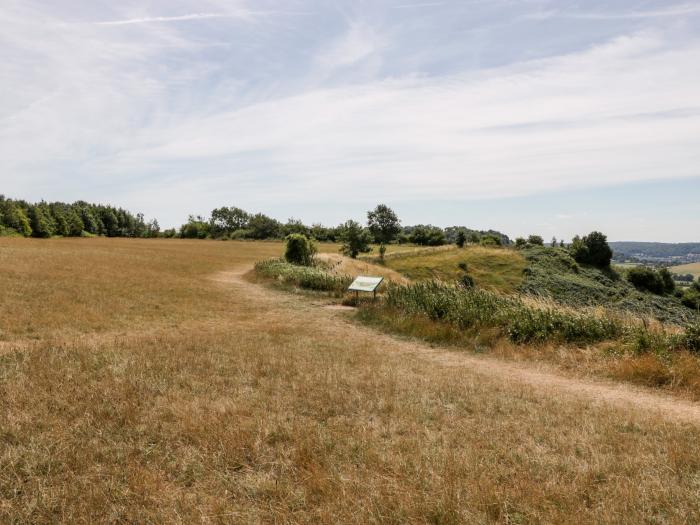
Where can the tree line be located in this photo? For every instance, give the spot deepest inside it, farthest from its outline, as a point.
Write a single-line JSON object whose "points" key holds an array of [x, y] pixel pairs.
{"points": [[383, 227], [79, 219]]}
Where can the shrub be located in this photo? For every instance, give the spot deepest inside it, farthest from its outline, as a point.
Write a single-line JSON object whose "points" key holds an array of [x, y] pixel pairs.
{"points": [[490, 240], [196, 228], [535, 240], [461, 239], [466, 281], [592, 249], [692, 337], [646, 279], [300, 250], [428, 236], [520, 242], [669, 284], [691, 297]]}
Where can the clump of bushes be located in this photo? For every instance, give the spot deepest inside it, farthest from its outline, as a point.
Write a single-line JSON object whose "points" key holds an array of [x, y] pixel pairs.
{"points": [[300, 250], [592, 249], [691, 296], [647, 279], [307, 277]]}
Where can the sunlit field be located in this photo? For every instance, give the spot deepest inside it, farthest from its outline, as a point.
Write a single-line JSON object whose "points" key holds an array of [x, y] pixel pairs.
{"points": [[149, 381], [692, 268]]}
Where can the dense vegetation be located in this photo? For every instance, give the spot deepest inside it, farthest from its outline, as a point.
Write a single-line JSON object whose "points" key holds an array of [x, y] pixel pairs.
{"points": [[383, 227], [307, 277], [19, 217], [553, 273]]}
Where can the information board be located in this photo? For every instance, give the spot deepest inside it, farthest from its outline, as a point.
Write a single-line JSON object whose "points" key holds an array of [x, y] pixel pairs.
{"points": [[365, 284]]}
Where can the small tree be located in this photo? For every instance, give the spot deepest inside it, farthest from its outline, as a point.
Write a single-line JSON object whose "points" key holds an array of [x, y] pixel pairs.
{"points": [[263, 227], [461, 239], [535, 240], [520, 242], [592, 249], [383, 223], [554, 242], [300, 250], [382, 252], [355, 239], [669, 284]]}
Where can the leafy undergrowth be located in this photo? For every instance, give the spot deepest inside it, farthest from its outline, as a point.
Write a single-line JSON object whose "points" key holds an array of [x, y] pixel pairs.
{"points": [[494, 269], [553, 273], [306, 277]]}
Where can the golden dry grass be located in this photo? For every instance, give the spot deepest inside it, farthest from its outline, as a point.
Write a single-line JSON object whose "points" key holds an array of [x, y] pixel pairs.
{"points": [[341, 265], [691, 268], [231, 403], [495, 269]]}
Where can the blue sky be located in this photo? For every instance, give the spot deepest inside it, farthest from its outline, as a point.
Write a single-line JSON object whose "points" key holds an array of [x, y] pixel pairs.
{"points": [[530, 116]]}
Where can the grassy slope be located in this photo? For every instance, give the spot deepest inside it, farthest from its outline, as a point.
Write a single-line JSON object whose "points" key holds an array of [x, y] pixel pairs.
{"points": [[693, 268], [136, 388], [492, 268], [553, 273]]}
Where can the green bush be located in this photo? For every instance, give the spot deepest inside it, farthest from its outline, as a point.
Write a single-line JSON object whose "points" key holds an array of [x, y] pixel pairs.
{"points": [[300, 250], [692, 338], [592, 249], [646, 279], [490, 240]]}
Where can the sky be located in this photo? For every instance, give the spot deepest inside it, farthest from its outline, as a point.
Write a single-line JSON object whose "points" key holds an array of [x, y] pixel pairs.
{"points": [[552, 117]]}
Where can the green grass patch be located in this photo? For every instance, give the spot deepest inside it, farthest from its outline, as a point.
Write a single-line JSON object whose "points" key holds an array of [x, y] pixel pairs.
{"points": [[496, 269]]}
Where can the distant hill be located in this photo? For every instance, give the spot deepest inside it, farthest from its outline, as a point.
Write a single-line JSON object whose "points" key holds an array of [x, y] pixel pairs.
{"points": [[657, 252]]}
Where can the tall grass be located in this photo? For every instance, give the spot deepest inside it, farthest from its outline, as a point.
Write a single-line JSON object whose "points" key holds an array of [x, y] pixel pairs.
{"points": [[307, 277], [475, 308], [522, 322]]}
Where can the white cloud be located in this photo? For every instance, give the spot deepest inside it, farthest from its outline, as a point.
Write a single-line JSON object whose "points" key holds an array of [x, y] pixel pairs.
{"points": [[358, 43], [137, 112], [179, 18]]}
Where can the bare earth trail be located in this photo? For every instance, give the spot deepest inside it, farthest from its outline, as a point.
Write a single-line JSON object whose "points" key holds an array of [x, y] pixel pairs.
{"points": [[538, 377]]}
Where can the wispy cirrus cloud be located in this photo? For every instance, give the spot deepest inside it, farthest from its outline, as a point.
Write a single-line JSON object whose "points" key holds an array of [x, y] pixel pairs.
{"points": [[307, 108], [179, 18]]}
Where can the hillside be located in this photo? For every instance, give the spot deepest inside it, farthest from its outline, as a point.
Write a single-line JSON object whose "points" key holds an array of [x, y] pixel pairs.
{"points": [[495, 269], [543, 272], [552, 273]]}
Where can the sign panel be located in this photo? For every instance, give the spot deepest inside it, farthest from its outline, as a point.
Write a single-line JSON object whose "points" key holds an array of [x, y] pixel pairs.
{"points": [[365, 284]]}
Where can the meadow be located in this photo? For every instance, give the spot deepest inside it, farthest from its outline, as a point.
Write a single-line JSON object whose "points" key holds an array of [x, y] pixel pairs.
{"points": [[151, 381], [692, 268]]}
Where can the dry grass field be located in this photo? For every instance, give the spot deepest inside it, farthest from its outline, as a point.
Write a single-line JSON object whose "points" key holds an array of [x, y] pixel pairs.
{"points": [[149, 382], [692, 268]]}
